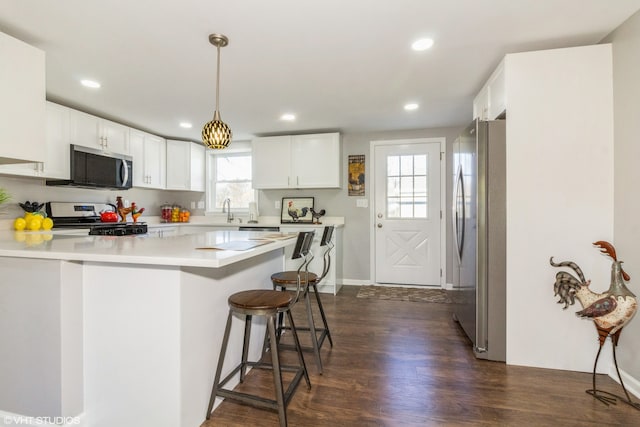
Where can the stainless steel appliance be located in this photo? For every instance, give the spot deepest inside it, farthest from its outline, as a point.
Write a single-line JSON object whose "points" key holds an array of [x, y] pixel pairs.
{"points": [[479, 222], [87, 215], [91, 168]]}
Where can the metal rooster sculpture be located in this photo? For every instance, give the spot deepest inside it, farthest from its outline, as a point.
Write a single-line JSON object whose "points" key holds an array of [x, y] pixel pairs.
{"points": [[610, 310]]}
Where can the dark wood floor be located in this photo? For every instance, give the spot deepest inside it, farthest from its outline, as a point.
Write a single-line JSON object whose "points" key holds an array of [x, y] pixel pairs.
{"points": [[400, 363]]}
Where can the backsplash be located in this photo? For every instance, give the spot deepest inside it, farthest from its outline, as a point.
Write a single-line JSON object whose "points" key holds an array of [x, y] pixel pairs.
{"points": [[33, 189]]}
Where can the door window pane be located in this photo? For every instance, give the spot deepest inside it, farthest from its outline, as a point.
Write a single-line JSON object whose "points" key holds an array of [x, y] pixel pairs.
{"points": [[407, 190]]}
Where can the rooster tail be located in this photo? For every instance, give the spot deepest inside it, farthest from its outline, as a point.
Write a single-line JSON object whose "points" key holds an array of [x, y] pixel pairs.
{"points": [[572, 265]]}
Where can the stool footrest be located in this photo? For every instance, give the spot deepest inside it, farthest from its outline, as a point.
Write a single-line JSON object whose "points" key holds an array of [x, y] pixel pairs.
{"points": [[258, 401]]}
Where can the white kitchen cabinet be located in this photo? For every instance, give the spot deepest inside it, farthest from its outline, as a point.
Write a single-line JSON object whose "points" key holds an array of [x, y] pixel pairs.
{"points": [[56, 164], [185, 166], [491, 101], [296, 161], [22, 104], [149, 159], [95, 132], [329, 283]]}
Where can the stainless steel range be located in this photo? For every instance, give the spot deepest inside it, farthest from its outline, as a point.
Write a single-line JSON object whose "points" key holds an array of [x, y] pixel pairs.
{"points": [[88, 215]]}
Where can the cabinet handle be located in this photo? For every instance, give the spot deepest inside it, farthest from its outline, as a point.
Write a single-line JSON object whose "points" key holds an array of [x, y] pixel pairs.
{"points": [[297, 181]]}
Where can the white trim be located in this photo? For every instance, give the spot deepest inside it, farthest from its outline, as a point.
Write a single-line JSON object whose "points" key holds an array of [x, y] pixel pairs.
{"points": [[630, 383], [354, 282], [443, 201]]}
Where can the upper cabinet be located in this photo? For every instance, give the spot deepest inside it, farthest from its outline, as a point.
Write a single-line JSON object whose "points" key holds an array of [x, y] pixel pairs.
{"points": [[185, 166], [95, 132], [149, 159], [56, 164], [491, 102], [296, 161], [22, 104]]}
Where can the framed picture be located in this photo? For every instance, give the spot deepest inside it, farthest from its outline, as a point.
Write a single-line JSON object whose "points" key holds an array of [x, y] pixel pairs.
{"points": [[296, 210], [356, 175]]}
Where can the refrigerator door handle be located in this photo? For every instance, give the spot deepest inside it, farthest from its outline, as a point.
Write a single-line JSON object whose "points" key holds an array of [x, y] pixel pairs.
{"points": [[459, 213]]}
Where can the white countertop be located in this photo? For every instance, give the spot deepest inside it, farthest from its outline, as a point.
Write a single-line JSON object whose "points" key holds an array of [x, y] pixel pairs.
{"points": [[139, 249]]}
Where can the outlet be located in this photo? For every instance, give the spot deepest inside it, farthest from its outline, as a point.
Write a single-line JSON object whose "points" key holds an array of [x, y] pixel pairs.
{"points": [[193, 205], [277, 204], [362, 203]]}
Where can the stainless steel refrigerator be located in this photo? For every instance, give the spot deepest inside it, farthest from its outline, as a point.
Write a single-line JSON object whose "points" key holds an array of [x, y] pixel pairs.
{"points": [[479, 225]]}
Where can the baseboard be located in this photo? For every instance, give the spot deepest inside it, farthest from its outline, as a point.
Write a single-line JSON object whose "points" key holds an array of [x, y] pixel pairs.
{"points": [[630, 383], [354, 282], [9, 418]]}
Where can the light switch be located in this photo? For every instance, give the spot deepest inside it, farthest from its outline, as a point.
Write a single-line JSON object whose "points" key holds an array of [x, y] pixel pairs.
{"points": [[362, 203], [277, 204]]}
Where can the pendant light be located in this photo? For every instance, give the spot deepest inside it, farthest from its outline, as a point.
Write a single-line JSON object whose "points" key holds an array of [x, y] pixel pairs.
{"points": [[217, 134]]}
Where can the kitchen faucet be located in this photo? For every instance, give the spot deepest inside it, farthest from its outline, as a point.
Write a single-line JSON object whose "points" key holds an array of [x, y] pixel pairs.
{"points": [[227, 202]]}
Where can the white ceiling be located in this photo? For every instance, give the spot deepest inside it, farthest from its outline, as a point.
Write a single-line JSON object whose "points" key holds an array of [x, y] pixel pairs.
{"points": [[337, 64]]}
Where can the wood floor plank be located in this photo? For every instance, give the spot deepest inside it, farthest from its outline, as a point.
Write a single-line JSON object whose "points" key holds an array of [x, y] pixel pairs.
{"points": [[403, 363]]}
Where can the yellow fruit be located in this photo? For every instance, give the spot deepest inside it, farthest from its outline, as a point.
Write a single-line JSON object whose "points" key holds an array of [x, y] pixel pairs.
{"points": [[19, 224], [28, 216], [47, 224], [34, 223]]}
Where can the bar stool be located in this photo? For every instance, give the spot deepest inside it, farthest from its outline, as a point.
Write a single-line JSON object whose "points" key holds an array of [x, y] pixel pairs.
{"points": [[268, 303], [288, 279]]}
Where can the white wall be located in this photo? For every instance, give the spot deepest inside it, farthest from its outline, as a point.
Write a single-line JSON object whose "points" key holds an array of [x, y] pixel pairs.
{"points": [[560, 198], [626, 107]]}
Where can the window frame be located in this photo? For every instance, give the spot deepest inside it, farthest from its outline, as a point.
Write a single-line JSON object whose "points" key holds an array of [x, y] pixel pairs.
{"points": [[239, 149]]}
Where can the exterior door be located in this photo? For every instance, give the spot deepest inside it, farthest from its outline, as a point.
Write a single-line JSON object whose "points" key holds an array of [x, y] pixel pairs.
{"points": [[407, 213]]}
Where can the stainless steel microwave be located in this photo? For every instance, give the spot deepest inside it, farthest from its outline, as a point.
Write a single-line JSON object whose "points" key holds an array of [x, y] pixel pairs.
{"points": [[91, 168]]}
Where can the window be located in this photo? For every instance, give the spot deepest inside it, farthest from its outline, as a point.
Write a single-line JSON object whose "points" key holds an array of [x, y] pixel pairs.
{"points": [[229, 176], [407, 186]]}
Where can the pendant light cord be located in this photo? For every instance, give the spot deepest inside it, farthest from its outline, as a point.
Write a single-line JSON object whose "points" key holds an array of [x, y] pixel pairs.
{"points": [[218, 80]]}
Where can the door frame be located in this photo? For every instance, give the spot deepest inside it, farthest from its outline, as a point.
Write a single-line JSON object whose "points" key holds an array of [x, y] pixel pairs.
{"points": [[443, 202]]}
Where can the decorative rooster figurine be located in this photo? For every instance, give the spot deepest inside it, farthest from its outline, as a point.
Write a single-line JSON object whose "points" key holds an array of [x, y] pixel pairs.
{"points": [[122, 211], [610, 311], [135, 212], [317, 215]]}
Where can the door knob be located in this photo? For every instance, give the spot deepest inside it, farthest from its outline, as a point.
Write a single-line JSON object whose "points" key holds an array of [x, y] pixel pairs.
{"points": [[379, 225], [379, 215]]}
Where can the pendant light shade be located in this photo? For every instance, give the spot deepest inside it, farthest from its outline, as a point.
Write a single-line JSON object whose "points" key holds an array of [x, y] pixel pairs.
{"points": [[217, 134]]}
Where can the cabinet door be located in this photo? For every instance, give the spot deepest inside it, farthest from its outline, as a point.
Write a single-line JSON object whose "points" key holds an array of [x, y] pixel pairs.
{"points": [[22, 101], [316, 160], [271, 162], [136, 141], [84, 129], [57, 137], [497, 93], [115, 137], [155, 161], [481, 104], [56, 163], [198, 180], [178, 165]]}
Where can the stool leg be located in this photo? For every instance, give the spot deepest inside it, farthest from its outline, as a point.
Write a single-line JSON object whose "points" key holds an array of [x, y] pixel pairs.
{"points": [[277, 374], [223, 352], [299, 349], [245, 346], [324, 317], [312, 329]]}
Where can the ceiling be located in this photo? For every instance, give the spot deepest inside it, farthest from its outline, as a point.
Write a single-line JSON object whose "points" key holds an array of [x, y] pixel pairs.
{"points": [[336, 64]]}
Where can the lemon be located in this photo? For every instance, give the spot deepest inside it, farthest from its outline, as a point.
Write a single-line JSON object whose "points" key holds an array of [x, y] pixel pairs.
{"points": [[34, 223], [19, 224], [47, 224], [28, 216]]}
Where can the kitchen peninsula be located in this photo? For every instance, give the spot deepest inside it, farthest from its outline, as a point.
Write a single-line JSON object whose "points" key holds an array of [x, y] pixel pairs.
{"points": [[123, 330]]}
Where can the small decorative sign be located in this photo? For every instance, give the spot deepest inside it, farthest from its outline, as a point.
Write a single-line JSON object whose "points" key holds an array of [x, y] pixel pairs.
{"points": [[356, 175], [296, 210]]}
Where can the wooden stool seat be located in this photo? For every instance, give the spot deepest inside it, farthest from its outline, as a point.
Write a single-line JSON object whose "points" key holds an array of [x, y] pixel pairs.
{"points": [[284, 278], [260, 300]]}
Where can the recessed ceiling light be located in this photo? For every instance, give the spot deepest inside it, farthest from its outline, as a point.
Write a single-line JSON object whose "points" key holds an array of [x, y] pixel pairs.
{"points": [[288, 117], [411, 107], [186, 125], [90, 83], [422, 44]]}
